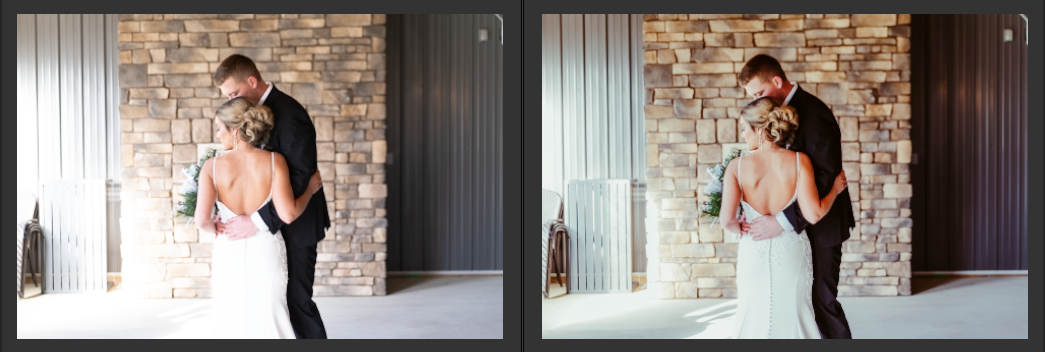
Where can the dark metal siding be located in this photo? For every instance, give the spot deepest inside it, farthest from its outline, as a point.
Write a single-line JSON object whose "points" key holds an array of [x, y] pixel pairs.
{"points": [[969, 95], [444, 115]]}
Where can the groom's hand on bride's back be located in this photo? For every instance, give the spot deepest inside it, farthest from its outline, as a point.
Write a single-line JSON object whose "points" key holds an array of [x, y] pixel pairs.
{"points": [[238, 228]]}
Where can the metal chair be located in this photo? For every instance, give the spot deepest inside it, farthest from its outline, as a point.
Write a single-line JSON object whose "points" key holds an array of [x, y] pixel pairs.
{"points": [[29, 237], [553, 239]]}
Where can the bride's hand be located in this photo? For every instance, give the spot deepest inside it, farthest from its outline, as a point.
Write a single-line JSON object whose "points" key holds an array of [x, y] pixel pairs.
{"points": [[840, 183], [315, 183]]}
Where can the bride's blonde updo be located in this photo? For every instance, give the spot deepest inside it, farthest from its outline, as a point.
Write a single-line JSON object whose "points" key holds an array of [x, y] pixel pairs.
{"points": [[779, 122], [253, 122]]}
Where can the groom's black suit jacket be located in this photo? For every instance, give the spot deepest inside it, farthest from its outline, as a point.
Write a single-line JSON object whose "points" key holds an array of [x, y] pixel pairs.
{"points": [[819, 137], [294, 136]]}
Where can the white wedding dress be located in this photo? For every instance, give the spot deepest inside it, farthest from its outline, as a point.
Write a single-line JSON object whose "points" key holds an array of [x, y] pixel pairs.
{"points": [[774, 283], [249, 283]]}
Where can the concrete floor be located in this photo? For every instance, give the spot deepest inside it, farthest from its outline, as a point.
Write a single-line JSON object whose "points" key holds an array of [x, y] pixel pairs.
{"points": [[415, 308], [940, 308]]}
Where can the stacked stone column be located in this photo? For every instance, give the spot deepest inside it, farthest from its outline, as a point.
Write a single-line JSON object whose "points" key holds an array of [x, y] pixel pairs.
{"points": [[334, 65], [859, 65]]}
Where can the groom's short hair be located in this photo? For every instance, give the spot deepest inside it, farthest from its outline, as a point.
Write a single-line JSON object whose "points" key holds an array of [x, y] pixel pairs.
{"points": [[762, 66], [238, 67]]}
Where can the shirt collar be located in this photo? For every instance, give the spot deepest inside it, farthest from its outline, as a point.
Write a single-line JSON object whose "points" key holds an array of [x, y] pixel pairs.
{"points": [[794, 88], [269, 90]]}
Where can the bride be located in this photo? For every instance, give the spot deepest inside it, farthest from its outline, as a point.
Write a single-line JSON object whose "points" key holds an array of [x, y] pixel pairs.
{"points": [[774, 276], [249, 276]]}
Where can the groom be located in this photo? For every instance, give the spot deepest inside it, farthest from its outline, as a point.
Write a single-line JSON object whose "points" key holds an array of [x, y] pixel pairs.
{"points": [[294, 136], [819, 137]]}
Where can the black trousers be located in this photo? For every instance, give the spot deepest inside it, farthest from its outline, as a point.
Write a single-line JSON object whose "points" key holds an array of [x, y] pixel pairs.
{"points": [[829, 315], [301, 273]]}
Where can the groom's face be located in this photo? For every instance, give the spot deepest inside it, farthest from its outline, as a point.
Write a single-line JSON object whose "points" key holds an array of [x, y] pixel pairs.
{"points": [[232, 88], [757, 88]]}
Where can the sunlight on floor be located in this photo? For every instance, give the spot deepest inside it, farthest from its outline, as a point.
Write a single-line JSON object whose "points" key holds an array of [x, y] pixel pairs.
{"points": [[961, 307], [719, 320]]}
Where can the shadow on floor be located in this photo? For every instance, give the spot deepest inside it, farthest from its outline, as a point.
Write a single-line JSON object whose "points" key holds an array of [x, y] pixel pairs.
{"points": [[400, 284], [925, 284]]}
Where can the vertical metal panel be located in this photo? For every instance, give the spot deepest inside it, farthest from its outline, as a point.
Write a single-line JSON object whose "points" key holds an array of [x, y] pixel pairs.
{"points": [[595, 87], [573, 98], [112, 100], [619, 86], [638, 144], [444, 131], [28, 149], [969, 130], [113, 142], [393, 120], [71, 87], [48, 96], [638, 95], [551, 105], [614, 159], [94, 93], [592, 88]]}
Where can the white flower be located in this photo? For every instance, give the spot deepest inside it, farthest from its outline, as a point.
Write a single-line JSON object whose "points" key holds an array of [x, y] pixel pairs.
{"points": [[189, 171], [713, 188], [718, 171], [188, 187], [711, 172]]}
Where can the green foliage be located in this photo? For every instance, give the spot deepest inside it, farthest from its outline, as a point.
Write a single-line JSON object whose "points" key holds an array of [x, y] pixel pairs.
{"points": [[187, 208], [711, 208]]}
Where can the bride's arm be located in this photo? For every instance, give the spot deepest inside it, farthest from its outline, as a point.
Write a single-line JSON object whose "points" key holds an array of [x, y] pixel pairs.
{"points": [[205, 198], [730, 199], [287, 207], [814, 209]]}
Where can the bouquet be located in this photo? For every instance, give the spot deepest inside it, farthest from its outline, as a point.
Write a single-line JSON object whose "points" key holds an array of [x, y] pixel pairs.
{"points": [[189, 190], [710, 209]]}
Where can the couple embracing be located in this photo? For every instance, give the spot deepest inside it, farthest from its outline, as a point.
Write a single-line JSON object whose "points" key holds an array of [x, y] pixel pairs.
{"points": [[271, 210], [796, 210]]}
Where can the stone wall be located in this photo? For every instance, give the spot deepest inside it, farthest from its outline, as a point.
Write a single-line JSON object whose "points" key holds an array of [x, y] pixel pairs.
{"points": [[334, 65], [857, 64]]}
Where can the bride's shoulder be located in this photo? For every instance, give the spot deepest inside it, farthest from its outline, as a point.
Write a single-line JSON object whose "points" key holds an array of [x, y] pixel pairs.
{"points": [[278, 158], [208, 164], [732, 166]]}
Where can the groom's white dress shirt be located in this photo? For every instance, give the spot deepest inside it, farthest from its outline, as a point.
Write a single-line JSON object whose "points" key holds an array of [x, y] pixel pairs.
{"points": [[255, 217]]}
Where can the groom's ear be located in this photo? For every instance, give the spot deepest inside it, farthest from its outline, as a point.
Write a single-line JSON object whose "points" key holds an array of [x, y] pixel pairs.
{"points": [[778, 82]]}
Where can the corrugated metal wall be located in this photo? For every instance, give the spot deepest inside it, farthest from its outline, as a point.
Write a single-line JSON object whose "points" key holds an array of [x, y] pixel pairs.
{"points": [[68, 123], [444, 134], [592, 97], [969, 95]]}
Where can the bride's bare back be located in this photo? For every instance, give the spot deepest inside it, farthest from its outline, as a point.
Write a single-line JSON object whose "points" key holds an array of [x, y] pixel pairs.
{"points": [[768, 180], [244, 179]]}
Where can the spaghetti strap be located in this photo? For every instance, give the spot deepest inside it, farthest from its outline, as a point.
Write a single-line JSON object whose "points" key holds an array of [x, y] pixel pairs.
{"points": [[214, 176], [798, 173], [272, 177], [740, 165], [214, 172]]}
